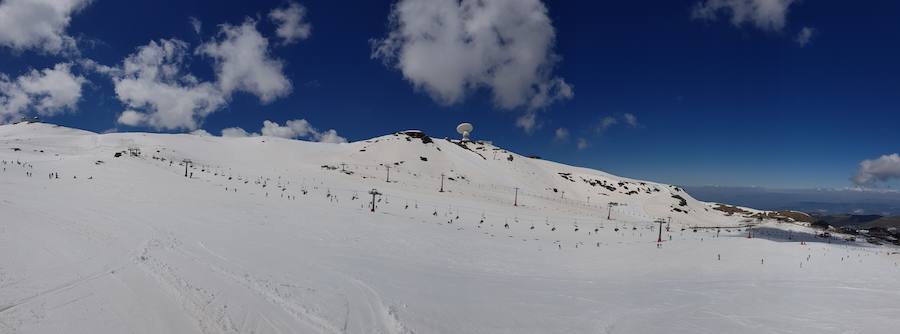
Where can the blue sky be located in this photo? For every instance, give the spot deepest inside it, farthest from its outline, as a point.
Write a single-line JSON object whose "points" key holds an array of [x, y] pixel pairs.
{"points": [[687, 92]]}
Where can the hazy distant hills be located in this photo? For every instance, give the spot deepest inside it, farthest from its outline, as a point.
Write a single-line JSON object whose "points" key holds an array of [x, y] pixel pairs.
{"points": [[813, 201], [861, 221]]}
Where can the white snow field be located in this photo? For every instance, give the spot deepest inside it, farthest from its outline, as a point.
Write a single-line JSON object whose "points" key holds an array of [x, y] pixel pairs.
{"points": [[263, 239]]}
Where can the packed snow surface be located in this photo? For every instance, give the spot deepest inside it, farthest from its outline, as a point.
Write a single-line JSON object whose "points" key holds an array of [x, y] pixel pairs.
{"points": [[267, 235]]}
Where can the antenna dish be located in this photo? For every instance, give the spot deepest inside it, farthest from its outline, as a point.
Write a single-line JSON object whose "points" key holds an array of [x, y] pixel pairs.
{"points": [[465, 129]]}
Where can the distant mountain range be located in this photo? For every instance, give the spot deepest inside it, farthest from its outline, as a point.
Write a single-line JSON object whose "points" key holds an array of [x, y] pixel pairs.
{"points": [[813, 201], [859, 221]]}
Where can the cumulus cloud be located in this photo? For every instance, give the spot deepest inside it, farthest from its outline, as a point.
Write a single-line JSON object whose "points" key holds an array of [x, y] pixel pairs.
{"points": [[582, 144], [449, 48], [300, 128], [291, 23], [549, 92], [883, 169], [201, 132], [158, 91], [805, 36], [131, 118], [243, 63], [52, 90], [47, 92], [38, 24], [330, 136], [291, 129], [153, 84], [92, 65], [237, 133], [561, 135], [528, 122], [769, 15]]}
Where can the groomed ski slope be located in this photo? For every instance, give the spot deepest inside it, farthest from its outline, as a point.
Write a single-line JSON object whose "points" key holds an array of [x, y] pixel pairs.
{"points": [[263, 239]]}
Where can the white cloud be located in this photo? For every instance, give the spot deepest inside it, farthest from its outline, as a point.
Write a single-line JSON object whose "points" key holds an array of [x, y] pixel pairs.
{"points": [[243, 63], [582, 144], [13, 100], [196, 24], [237, 132], [883, 169], [630, 119], [38, 24], [291, 23], [201, 132], [609, 121], [91, 65], [549, 92], [528, 122], [561, 135], [330, 136], [606, 123], [53, 90], [805, 36], [769, 15], [450, 47], [300, 128], [151, 82], [47, 92], [158, 91], [291, 129], [131, 118]]}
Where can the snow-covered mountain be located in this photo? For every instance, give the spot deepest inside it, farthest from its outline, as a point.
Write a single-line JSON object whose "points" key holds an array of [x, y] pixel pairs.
{"points": [[416, 160], [104, 233]]}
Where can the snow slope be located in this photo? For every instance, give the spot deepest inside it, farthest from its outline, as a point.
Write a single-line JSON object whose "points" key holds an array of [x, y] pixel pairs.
{"points": [[276, 236]]}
